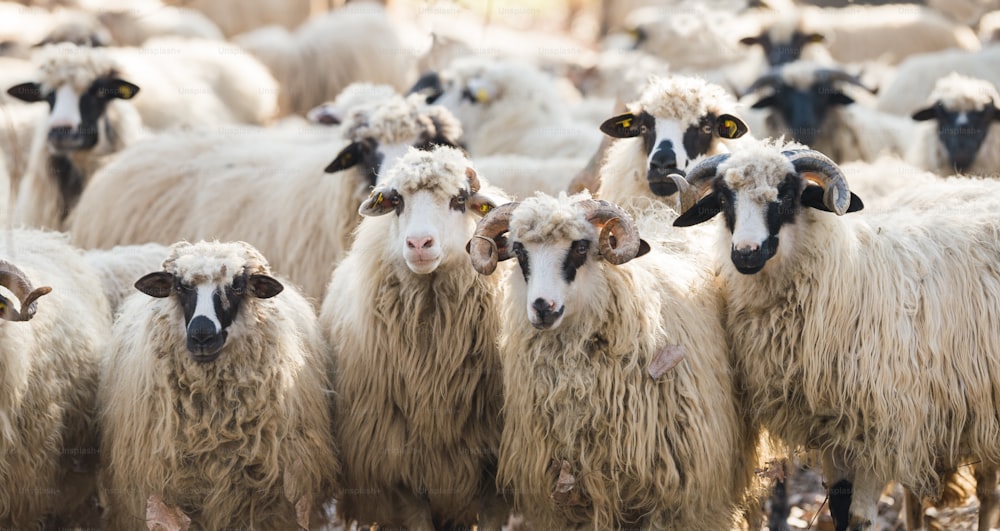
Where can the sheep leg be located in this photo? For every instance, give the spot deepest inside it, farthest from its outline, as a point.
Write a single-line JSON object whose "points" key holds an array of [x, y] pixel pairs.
{"points": [[914, 508], [987, 476], [853, 493]]}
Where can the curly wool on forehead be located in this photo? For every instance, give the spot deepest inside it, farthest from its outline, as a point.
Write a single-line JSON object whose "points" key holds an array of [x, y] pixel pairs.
{"points": [[801, 74], [962, 93], [216, 262], [682, 98], [78, 66], [395, 120], [440, 171], [543, 218], [758, 168]]}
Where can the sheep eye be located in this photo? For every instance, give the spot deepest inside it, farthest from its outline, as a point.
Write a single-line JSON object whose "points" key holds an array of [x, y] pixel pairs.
{"points": [[581, 247], [518, 250], [706, 129], [458, 202]]}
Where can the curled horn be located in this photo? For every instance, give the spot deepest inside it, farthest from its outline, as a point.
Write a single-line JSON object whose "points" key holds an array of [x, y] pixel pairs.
{"points": [[826, 173], [700, 179], [770, 79], [17, 282], [619, 239], [832, 74], [470, 174], [488, 245]]}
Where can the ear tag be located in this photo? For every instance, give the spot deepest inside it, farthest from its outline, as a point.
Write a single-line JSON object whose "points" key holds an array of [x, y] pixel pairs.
{"points": [[626, 123], [378, 200], [485, 208], [730, 128], [482, 95], [124, 91]]}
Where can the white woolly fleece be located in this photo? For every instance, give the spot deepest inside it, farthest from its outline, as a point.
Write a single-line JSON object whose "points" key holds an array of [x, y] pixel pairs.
{"points": [[963, 93], [544, 218], [66, 63], [440, 171], [758, 167], [215, 262], [682, 98]]}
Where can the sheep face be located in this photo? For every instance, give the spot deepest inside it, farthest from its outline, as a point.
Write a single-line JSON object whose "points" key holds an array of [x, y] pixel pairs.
{"points": [[961, 132], [75, 114], [560, 244], [209, 285], [760, 193], [671, 145], [469, 100], [778, 50], [803, 94], [436, 200], [379, 136]]}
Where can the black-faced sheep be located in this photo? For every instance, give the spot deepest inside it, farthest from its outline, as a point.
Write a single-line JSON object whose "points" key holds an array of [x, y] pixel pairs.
{"points": [[51, 347], [620, 408], [962, 136], [213, 398], [841, 326], [810, 103], [414, 331], [271, 191]]}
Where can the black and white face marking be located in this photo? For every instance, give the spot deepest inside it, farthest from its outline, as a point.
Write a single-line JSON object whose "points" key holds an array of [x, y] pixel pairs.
{"points": [[209, 309], [961, 132], [671, 147], [74, 119], [549, 272], [804, 111], [779, 53], [755, 225]]}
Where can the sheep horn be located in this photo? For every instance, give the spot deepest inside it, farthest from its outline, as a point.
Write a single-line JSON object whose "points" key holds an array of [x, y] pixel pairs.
{"points": [[826, 173], [619, 239], [483, 249], [17, 282], [832, 74], [470, 174], [769, 79], [701, 174]]}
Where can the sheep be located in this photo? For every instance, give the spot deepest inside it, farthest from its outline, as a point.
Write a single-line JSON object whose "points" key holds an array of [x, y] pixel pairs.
{"points": [[51, 351], [676, 121], [89, 119], [271, 191], [508, 107], [367, 49], [414, 338], [334, 112], [915, 78], [607, 422], [894, 384], [810, 103], [785, 40], [216, 412], [960, 136], [121, 266], [234, 17]]}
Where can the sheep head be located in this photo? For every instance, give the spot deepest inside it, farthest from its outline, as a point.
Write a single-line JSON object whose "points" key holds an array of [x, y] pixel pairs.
{"points": [[12, 278], [759, 191], [964, 109], [553, 239]]}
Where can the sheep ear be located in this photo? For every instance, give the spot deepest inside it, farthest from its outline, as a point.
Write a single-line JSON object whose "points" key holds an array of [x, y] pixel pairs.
{"points": [[705, 209], [480, 204], [29, 92], [812, 197], [348, 157], [750, 41], [765, 102], [263, 286], [626, 125], [729, 126], [643, 248], [429, 85], [157, 284], [841, 99], [813, 38], [928, 113], [119, 89], [380, 202]]}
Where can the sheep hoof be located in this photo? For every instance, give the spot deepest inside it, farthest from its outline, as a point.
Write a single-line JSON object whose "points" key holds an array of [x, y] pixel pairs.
{"points": [[666, 359], [566, 492], [161, 517]]}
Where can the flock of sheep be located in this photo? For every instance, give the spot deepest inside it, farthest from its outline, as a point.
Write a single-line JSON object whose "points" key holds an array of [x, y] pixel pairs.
{"points": [[278, 265]]}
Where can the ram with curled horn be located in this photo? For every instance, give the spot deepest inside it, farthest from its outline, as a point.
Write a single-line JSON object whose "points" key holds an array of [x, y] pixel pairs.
{"points": [[17, 282]]}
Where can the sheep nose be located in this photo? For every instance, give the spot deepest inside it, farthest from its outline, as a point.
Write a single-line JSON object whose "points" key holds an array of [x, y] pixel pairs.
{"points": [[663, 159], [543, 306], [60, 132], [201, 333], [422, 242], [546, 312]]}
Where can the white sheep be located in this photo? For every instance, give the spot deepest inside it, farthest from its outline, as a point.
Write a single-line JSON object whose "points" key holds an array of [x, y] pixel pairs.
{"points": [[414, 330], [676, 121], [238, 16], [961, 136], [915, 78], [841, 326], [814, 104], [213, 398], [326, 53], [120, 266], [51, 351], [271, 191], [620, 408], [89, 120], [508, 107]]}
